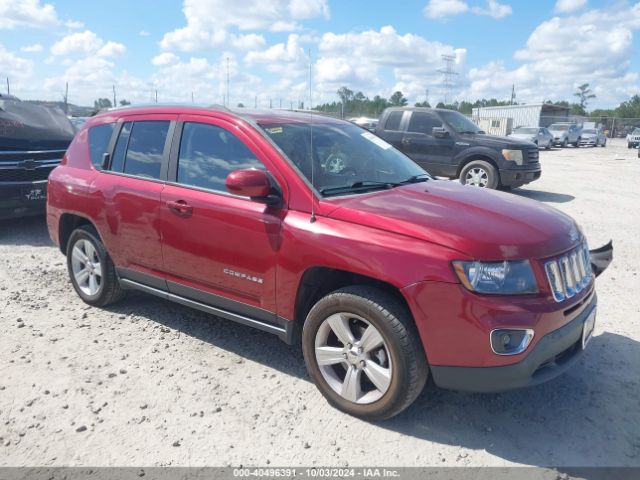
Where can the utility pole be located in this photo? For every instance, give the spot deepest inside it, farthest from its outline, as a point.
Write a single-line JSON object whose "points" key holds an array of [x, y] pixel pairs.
{"points": [[192, 101], [270, 103], [448, 76], [280, 102], [255, 102], [156, 95], [227, 82], [114, 97], [66, 98], [513, 93], [426, 97], [8, 88]]}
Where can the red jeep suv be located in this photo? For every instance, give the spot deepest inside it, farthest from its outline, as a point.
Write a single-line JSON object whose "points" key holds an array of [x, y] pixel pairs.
{"points": [[320, 232]]}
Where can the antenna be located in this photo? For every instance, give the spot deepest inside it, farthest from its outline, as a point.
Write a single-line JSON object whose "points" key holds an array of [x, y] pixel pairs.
{"points": [[313, 200], [448, 74]]}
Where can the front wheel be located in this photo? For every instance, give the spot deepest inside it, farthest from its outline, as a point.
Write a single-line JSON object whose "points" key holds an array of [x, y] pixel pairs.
{"points": [[363, 352], [479, 173], [90, 268]]}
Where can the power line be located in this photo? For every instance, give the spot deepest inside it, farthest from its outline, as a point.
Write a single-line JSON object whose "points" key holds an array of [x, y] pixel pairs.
{"points": [[448, 76]]}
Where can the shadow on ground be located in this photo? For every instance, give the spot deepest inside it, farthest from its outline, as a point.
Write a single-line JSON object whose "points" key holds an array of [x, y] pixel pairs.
{"points": [[543, 196], [25, 231]]}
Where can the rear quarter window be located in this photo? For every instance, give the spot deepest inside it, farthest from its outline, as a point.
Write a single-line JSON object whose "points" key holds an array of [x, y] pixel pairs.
{"points": [[393, 121], [99, 138]]}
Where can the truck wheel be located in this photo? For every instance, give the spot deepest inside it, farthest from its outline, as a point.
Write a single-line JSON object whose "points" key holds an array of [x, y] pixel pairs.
{"points": [[363, 352], [577, 144], [91, 270], [479, 174]]}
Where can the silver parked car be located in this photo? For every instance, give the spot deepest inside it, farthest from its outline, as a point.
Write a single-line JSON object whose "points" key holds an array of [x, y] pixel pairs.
{"points": [[593, 137], [538, 135], [565, 134]]}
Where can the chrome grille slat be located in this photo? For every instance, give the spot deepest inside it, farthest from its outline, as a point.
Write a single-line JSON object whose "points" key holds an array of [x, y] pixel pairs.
{"points": [[570, 273]]}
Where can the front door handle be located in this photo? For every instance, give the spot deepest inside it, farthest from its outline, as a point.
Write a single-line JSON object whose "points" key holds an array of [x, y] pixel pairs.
{"points": [[180, 207]]}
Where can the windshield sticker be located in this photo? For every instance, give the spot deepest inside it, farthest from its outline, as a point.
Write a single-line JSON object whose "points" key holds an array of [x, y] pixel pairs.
{"points": [[376, 140], [274, 130]]}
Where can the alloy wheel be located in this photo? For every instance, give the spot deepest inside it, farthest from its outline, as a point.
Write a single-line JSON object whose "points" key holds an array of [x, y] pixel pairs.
{"points": [[86, 266], [477, 177], [353, 358]]}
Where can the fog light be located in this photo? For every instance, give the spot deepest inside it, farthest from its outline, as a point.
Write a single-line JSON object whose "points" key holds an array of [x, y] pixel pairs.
{"points": [[508, 341]]}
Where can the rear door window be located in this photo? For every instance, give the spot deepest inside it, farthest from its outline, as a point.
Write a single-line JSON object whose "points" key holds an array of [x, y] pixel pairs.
{"points": [[423, 122], [393, 121], [99, 138], [140, 148]]}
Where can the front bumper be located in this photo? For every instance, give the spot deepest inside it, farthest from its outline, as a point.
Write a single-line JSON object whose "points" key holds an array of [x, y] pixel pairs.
{"points": [[551, 356], [588, 141], [20, 199], [514, 178]]}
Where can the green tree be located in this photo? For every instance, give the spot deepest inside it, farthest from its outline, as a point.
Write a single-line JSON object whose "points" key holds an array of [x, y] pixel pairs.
{"points": [[124, 102], [102, 103], [585, 94], [398, 100], [240, 105], [423, 104]]}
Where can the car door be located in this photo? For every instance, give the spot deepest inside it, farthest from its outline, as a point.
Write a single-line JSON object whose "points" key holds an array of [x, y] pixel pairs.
{"points": [[131, 185], [431, 153], [391, 131], [219, 249]]}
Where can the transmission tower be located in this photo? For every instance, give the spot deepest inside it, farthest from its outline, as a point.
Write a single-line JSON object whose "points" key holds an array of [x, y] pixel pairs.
{"points": [[448, 76]]}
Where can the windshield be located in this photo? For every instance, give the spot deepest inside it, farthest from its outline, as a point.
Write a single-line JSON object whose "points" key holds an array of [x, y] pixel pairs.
{"points": [[636, 131], [347, 159], [527, 130], [561, 128], [460, 123], [589, 130]]}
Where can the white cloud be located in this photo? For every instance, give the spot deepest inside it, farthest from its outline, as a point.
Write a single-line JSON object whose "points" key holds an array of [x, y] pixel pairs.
{"points": [[143, 33], [74, 24], [14, 67], [568, 6], [209, 21], [494, 9], [444, 8], [81, 43], [26, 13], [111, 49], [35, 48], [166, 58], [563, 52]]}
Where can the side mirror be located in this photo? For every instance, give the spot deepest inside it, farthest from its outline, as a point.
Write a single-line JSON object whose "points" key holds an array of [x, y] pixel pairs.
{"points": [[439, 132], [252, 183], [106, 159]]}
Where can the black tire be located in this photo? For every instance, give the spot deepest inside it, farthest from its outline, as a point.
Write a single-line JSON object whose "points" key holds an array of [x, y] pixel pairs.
{"points": [[395, 324], [490, 170], [628, 145], [604, 144], [577, 144], [565, 143], [109, 290]]}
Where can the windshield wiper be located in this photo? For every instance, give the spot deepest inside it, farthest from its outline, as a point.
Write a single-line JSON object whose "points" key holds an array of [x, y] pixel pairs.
{"points": [[422, 177], [358, 186], [472, 131]]}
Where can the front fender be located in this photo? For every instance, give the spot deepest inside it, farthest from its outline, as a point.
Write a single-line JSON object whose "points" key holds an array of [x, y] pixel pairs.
{"points": [[477, 152]]}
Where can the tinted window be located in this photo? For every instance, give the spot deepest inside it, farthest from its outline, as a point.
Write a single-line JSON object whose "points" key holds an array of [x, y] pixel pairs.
{"points": [[99, 138], [146, 145], [209, 153], [393, 121], [422, 122], [117, 162]]}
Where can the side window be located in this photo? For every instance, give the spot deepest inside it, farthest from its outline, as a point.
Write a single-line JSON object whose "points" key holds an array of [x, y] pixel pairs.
{"points": [[99, 137], [422, 122], [209, 153], [117, 160], [393, 121], [145, 148]]}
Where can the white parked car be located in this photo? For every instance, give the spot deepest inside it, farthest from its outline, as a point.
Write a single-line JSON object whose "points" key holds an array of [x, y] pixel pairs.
{"points": [[593, 137], [538, 135], [633, 139]]}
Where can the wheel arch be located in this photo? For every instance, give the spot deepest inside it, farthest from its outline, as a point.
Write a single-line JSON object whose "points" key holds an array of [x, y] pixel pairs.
{"points": [[477, 156], [67, 224]]}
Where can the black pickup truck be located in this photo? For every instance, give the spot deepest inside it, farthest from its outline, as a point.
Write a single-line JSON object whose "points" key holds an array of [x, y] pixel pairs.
{"points": [[33, 140], [447, 144]]}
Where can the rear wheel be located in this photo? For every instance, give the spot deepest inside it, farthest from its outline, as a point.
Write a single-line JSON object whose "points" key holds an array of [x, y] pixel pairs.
{"points": [[479, 173], [90, 268], [363, 352]]}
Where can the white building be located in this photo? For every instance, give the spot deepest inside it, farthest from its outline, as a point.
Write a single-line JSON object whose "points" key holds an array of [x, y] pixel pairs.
{"points": [[531, 115]]}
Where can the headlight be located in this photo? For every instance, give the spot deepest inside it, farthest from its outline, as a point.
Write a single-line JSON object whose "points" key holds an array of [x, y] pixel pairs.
{"points": [[503, 278], [513, 156]]}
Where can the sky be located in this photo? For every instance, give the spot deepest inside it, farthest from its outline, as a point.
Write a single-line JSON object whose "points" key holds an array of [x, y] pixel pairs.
{"points": [[271, 49]]}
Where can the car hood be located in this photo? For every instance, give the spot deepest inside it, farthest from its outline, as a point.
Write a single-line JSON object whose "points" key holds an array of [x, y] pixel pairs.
{"points": [[484, 224], [523, 136], [497, 141], [588, 135], [558, 132]]}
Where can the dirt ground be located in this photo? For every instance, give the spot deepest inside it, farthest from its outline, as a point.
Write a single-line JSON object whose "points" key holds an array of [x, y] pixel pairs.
{"points": [[150, 383]]}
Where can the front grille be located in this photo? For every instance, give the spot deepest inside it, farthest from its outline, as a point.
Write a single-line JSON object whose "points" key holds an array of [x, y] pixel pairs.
{"points": [[532, 156], [570, 273], [24, 175], [19, 155]]}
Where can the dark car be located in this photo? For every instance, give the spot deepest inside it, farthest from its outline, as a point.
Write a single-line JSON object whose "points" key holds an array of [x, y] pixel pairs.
{"points": [[447, 144], [370, 268], [33, 139]]}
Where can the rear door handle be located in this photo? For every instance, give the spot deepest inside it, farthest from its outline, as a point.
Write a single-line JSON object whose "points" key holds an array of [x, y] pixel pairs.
{"points": [[180, 207]]}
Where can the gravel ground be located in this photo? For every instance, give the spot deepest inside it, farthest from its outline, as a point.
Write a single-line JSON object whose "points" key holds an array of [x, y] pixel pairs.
{"points": [[151, 383]]}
